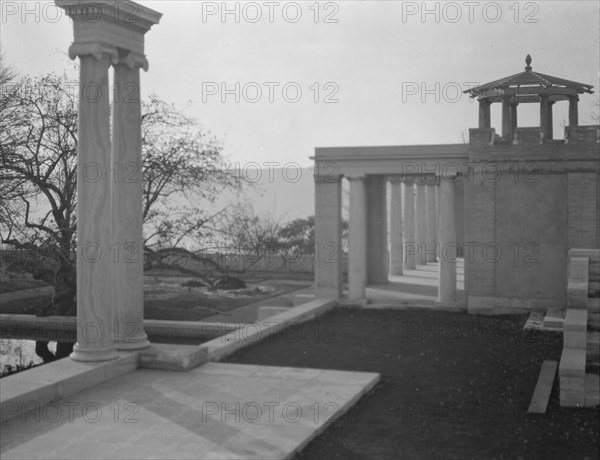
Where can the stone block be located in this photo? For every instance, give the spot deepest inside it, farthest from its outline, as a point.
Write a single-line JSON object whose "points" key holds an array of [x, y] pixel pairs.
{"points": [[572, 363], [576, 320], [579, 269], [554, 318], [169, 357], [572, 391], [575, 339]]}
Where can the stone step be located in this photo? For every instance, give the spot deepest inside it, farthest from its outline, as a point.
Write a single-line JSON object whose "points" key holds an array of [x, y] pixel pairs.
{"points": [[172, 357]]}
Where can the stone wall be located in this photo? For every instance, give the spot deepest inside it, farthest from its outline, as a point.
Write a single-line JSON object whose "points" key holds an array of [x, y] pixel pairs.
{"points": [[526, 205]]}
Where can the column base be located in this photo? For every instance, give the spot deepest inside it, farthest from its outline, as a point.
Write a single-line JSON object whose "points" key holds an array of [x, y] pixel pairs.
{"points": [[132, 343], [93, 354]]}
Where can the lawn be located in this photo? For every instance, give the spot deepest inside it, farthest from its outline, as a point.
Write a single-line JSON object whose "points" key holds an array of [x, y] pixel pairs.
{"points": [[169, 295], [452, 386]]}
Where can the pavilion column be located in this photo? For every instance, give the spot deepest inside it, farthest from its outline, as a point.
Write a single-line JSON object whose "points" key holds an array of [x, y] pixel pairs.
{"points": [[431, 223], [408, 222], [94, 259], [328, 233], [396, 252], [448, 244], [357, 233], [507, 132], [513, 116], [573, 111], [546, 116], [421, 222], [484, 114], [127, 200]]}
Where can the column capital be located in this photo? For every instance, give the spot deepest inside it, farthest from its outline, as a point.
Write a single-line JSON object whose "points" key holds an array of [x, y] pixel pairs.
{"points": [[133, 60], [98, 50]]}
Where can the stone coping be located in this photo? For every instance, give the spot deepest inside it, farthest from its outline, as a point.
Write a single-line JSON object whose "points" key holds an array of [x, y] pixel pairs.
{"points": [[32, 389], [31, 327], [253, 332]]}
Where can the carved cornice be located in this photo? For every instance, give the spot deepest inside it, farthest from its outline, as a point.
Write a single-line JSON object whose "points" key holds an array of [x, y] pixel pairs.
{"points": [[124, 12], [98, 50]]}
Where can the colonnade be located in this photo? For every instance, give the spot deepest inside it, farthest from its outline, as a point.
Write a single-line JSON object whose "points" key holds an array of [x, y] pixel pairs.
{"points": [[421, 230]]}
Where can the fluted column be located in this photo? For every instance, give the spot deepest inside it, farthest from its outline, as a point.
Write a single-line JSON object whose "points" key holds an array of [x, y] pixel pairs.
{"points": [[448, 245], [94, 263], [357, 252], [128, 240], [421, 222], [431, 223], [396, 252], [408, 228]]}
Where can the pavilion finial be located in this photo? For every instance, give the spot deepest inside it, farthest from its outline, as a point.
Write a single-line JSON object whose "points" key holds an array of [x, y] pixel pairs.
{"points": [[528, 62]]}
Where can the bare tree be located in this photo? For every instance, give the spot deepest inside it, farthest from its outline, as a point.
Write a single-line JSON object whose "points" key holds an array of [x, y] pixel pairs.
{"points": [[39, 170]]}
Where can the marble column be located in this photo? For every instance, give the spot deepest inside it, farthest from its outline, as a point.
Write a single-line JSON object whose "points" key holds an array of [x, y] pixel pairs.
{"points": [[357, 252], [396, 252], [421, 222], [94, 261], [128, 240], [408, 225], [328, 233], [431, 223], [448, 244]]}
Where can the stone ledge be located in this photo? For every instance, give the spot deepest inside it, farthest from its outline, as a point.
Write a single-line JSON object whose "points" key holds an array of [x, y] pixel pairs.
{"points": [[44, 384], [64, 328], [267, 311], [254, 332], [170, 357]]}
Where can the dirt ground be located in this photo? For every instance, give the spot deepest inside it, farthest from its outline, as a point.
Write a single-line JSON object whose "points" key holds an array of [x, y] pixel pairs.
{"points": [[452, 386]]}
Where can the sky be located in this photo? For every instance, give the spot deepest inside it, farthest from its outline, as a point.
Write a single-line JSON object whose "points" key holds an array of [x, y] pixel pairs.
{"points": [[346, 73]]}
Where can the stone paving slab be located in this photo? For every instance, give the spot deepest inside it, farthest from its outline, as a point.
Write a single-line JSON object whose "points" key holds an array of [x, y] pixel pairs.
{"points": [[214, 411]]}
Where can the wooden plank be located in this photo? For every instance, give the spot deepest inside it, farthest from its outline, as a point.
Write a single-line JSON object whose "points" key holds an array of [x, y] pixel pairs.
{"points": [[543, 388]]}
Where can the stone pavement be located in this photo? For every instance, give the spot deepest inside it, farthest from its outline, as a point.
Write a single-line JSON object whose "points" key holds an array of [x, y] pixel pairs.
{"points": [[217, 411]]}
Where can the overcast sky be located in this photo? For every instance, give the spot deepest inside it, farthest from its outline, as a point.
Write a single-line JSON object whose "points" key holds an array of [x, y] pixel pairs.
{"points": [[391, 74]]}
